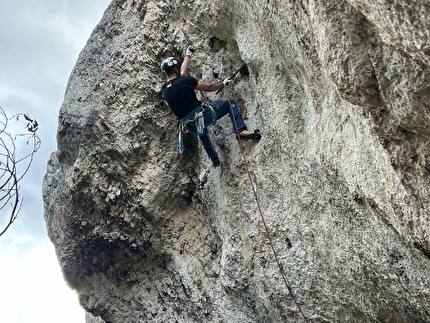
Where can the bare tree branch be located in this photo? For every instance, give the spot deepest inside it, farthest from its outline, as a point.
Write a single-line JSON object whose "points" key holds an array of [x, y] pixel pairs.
{"points": [[17, 152]]}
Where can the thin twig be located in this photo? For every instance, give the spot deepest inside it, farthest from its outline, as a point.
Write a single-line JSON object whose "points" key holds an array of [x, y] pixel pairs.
{"points": [[14, 165]]}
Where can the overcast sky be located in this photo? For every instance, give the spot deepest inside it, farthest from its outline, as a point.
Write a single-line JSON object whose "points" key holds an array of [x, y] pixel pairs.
{"points": [[39, 44]]}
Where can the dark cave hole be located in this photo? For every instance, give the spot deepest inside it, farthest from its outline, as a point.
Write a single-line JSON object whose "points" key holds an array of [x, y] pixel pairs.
{"points": [[422, 249], [216, 44], [288, 242]]}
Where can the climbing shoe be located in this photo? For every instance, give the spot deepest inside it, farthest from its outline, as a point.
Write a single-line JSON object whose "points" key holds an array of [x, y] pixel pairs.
{"points": [[216, 162], [255, 136]]}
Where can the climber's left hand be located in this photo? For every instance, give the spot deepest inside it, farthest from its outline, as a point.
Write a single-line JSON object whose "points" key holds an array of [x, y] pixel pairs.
{"points": [[227, 81]]}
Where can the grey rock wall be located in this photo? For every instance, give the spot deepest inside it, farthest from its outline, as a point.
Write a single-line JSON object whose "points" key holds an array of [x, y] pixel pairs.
{"points": [[92, 319], [340, 91]]}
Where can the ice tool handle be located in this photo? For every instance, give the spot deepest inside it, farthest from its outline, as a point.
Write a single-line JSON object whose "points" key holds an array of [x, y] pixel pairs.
{"points": [[243, 70], [186, 25]]}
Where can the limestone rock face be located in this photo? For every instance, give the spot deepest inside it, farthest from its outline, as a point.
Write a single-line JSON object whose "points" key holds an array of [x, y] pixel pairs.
{"points": [[92, 319], [340, 91]]}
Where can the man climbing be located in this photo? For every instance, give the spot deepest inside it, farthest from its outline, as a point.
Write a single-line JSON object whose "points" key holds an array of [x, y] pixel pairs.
{"points": [[179, 93]]}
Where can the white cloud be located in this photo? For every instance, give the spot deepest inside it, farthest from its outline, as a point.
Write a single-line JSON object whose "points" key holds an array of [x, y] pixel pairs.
{"points": [[32, 286]]}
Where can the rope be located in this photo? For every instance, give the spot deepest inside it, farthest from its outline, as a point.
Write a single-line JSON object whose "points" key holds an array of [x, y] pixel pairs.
{"points": [[266, 228]]}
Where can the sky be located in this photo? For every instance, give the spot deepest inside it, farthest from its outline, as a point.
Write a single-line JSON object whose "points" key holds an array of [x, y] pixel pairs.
{"points": [[39, 44]]}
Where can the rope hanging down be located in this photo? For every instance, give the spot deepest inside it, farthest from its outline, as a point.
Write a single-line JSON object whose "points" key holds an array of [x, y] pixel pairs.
{"points": [[266, 228], [185, 27]]}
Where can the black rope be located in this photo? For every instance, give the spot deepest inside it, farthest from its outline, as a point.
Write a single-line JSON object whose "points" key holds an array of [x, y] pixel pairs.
{"points": [[254, 190]]}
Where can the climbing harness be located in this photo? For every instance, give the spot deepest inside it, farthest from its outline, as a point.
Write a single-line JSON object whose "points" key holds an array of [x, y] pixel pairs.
{"points": [[201, 117]]}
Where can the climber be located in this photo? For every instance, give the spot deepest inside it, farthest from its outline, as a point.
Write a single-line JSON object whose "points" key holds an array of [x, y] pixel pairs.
{"points": [[179, 93]]}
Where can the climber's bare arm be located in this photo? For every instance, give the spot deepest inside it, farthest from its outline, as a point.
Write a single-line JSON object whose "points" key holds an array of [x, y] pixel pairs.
{"points": [[185, 65], [209, 87]]}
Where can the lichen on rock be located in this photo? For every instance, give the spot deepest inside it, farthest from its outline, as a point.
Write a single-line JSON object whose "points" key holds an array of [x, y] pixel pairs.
{"points": [[340, 91]]}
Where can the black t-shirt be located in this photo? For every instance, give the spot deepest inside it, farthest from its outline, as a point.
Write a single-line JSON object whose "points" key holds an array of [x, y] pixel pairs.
{"points": [[180, 95]]}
